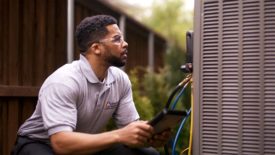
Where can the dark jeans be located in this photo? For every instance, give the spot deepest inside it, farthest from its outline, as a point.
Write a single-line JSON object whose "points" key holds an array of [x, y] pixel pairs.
{"points": [[124, 150], [27, 146]]}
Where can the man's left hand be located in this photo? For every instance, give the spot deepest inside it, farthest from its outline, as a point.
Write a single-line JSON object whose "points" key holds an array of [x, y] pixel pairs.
{"points": [[160, 139]]}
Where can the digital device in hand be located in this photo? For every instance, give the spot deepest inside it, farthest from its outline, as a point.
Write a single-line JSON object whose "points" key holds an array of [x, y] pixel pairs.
{"points": [[166, 119]]}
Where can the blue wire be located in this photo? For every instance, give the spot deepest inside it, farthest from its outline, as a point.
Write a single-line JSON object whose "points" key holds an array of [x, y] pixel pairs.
{"points": [[183, 121], [178, 97], [178, 132]]}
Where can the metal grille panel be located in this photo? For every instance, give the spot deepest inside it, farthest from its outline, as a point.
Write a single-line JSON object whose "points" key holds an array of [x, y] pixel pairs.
{"points": [[210, 78], [234, 70]]}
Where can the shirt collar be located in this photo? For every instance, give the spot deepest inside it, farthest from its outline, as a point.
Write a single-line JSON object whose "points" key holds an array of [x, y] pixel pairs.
{"points": [[90, 74]]}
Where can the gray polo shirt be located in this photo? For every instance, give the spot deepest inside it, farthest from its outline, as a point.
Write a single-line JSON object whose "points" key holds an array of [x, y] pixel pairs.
{"points": [[73, 99]]}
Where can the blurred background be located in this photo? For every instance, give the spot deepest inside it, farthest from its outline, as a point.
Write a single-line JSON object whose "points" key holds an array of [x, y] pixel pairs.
{"points": [[171, 19], [234, 71], [38, 37]]}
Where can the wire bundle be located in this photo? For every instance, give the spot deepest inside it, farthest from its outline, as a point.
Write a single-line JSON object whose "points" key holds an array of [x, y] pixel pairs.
{"points": [[181, 86]]}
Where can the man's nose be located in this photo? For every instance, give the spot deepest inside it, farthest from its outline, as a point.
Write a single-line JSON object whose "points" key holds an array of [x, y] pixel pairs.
{"points": [[125, 44]]}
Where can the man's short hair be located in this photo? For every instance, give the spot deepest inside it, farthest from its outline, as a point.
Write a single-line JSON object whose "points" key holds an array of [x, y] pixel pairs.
{"points": [[92, 29]]}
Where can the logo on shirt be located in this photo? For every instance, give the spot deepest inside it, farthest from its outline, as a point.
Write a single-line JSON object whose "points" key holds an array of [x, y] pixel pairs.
{"points": [[111, 105]]}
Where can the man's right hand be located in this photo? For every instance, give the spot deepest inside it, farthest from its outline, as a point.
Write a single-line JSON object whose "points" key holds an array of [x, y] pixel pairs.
{"points": [[135, 134]]}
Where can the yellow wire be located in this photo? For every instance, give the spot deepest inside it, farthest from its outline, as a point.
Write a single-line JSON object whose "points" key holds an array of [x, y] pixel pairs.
{"points": [[191, 122], [184, 151], [192, 118]]}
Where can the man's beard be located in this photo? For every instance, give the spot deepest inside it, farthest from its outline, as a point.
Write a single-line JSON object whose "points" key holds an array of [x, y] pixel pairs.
{"points": [[115, 61]]}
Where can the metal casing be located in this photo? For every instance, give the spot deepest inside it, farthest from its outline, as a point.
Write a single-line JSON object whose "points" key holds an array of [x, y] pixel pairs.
{"points": [[234, 77]]}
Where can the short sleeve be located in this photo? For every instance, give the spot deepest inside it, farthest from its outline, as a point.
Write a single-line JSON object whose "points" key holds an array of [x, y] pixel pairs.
{"points": [[126, 111], [58, 107]]}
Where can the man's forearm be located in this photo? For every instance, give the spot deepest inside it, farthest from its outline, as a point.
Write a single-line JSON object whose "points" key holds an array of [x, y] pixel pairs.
{"points": [[134, 134], [81, 143]]}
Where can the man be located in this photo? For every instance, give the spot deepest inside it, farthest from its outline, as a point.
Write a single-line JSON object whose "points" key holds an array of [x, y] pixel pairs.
{"points": [[76, 101]]}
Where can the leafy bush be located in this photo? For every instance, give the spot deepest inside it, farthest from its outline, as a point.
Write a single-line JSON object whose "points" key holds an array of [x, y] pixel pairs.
{"points": [[151, 90], [143, 103], [156, 88]]}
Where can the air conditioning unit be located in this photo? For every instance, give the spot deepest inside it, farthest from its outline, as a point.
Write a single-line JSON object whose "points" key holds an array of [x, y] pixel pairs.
{"points": [[234, 77]]}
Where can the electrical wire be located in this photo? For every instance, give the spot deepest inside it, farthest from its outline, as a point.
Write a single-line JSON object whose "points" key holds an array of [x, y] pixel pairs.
{"points": [[178, 97], [179, 131], [192, 119], [182, 83], [181, 153], [167, 105], [189, 148], [184, 119]]}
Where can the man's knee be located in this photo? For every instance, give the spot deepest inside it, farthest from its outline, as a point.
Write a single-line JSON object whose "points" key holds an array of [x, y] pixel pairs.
{"points": [[148, 151], [27, 146], [35, 149], [122, 149]]}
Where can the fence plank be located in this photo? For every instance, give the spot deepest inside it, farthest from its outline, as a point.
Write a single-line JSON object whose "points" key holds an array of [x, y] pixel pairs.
{"points": [[18, 91], [51, 42], [1, 41], [60, 35], [13, 72], [27, 108], [4, 121], [13, 123], [27, 74], [40, 36], [5, 41], [13, 41]]}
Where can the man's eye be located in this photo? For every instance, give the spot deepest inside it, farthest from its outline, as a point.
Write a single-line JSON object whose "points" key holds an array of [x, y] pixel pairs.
{"points": [[117, 39]]}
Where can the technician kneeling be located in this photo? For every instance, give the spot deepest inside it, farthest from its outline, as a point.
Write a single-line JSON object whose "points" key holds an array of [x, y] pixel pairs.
{"points": [[77, 100]]}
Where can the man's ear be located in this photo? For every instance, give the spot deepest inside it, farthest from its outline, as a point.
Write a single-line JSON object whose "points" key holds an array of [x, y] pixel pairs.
{"points": [[95, 48]]}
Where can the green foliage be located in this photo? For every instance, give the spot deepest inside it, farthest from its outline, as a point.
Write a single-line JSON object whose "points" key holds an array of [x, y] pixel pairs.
{"points": [[171, 20], [142, 102], [156, 87], [167, 17], [152, 90], [174, 58]]}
